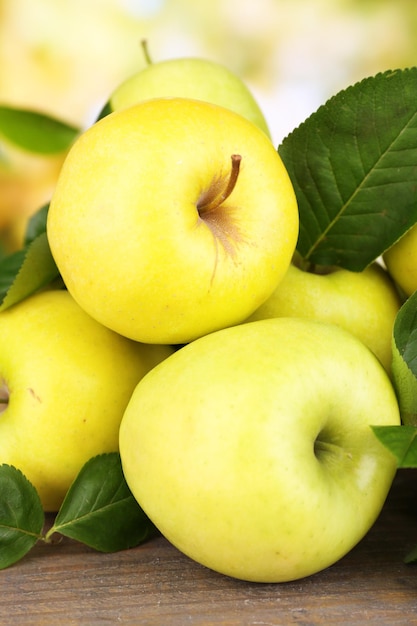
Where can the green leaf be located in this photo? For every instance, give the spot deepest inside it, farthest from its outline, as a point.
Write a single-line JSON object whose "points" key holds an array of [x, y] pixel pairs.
{"points": [[36, 225], [36, 132], [33, 267], [353, 164], [21, 515], [106, 110], [9, 268], [401, 441], [404, 363], [100, 510]]}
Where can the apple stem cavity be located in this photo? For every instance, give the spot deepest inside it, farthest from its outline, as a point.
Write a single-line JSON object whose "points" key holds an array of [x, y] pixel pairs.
{"points": [[145, 49], [220, 189], [323, 449]]}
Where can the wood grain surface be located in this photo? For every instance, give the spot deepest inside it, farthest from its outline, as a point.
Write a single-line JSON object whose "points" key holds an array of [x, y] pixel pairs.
{"points": [[67, 583]]}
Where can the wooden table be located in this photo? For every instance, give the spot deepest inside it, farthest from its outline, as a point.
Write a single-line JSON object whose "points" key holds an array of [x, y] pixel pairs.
{"points": [[68, 583]]}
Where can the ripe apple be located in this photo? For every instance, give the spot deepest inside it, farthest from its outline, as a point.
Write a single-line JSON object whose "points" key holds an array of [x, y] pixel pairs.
{"points": [[251, 448], [189, 78], [171, 219], [365, 303], [65, 381], [401, 261]]}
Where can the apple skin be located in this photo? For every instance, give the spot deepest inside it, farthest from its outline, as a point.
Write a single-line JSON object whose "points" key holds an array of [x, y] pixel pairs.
{"points": [[195, 78], [132, 243], [364, 303], [69, 380], [257, 459], [401, 261]]}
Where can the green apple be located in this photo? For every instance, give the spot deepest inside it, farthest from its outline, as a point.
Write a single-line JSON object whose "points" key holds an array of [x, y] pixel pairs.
{"points": [[401, 261], [65, 381], [364, 303], [189, 78], [251, 449], [171, 219]]}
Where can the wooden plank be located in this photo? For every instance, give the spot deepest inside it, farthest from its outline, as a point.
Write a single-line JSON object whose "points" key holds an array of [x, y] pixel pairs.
{"points": [[68, 583]]}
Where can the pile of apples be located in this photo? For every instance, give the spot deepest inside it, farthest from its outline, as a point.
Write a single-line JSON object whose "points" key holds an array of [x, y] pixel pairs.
{"points": [[238, 385]]}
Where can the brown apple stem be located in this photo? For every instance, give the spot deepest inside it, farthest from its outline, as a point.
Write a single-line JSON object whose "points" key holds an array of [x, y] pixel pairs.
{"points": [[4, 403], [225, 190], [234, 174], [4, 396], [145, 49]]}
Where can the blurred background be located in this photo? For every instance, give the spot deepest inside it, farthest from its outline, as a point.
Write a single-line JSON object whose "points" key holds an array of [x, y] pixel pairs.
{"points": [[65, 57]]}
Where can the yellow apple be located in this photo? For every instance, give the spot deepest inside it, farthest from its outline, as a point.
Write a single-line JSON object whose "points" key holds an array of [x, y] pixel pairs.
{"points": [[364, 303], [401, 261], [196, 78], [65, 381], [171, 219], [251, 449]]}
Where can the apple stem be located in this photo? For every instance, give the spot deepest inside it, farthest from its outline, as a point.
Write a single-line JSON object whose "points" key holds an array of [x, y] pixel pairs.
{"points": [[145, 49], [4, 403], [4, 396], [234, 173], [47, 537], [219, 198]]}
